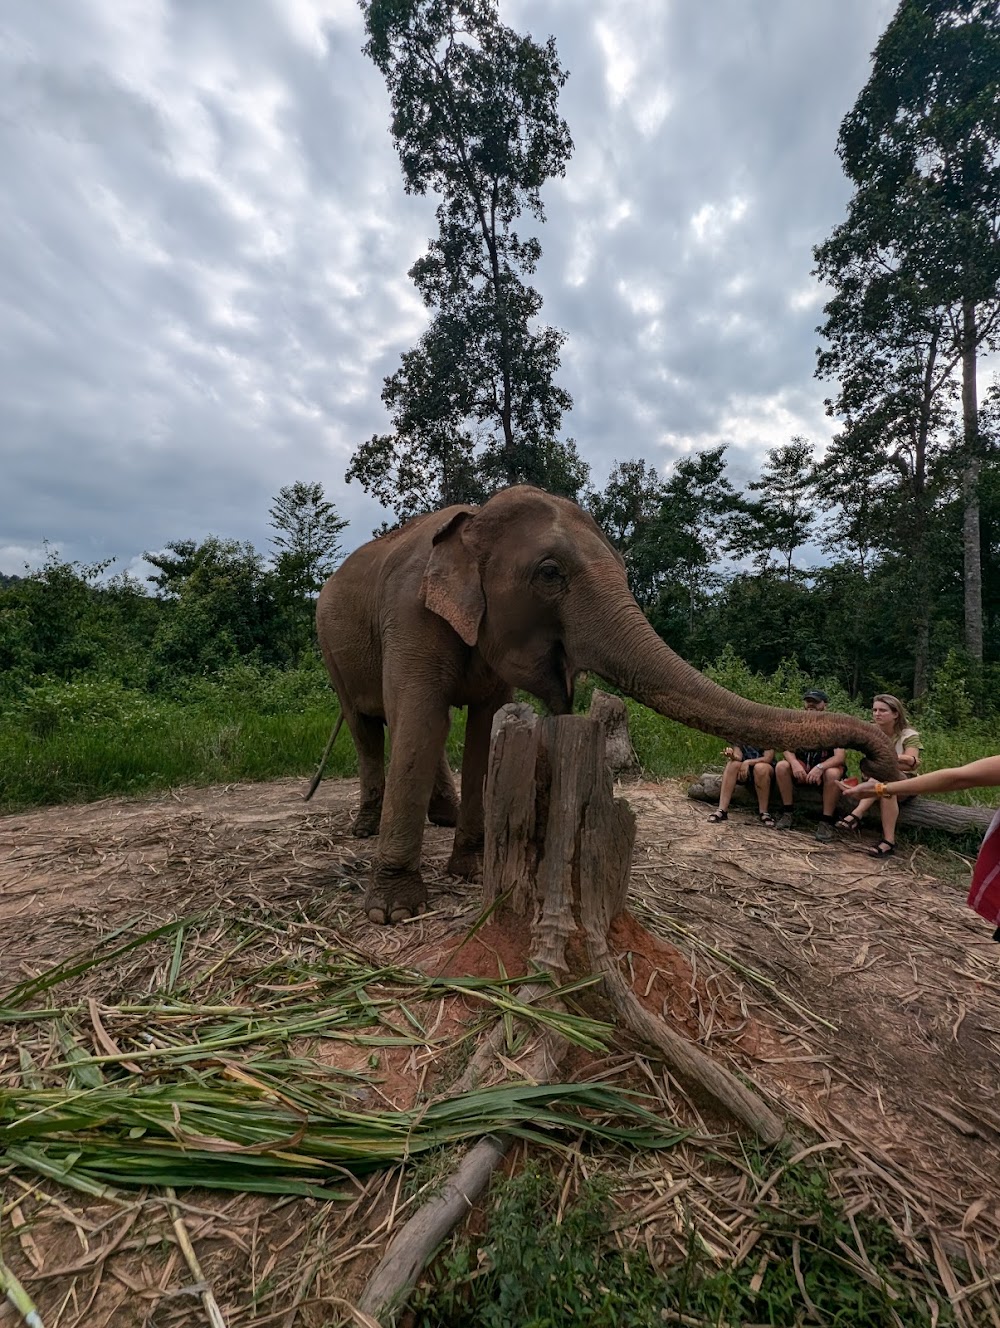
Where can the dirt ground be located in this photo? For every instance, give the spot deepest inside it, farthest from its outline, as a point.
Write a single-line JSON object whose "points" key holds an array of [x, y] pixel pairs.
{"points": [[861, 997]]}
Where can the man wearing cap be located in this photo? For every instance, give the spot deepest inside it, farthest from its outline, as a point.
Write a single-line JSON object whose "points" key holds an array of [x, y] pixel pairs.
{"points": [[822, 766]]}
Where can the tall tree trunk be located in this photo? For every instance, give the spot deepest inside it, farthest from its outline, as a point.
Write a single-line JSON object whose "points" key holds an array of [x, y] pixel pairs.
{"points": [[921, 556], [922, 655], [970, 488]]}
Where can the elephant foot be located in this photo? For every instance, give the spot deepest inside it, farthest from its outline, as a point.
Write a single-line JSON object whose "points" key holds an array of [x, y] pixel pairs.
{"points": [[366, 823], [443, 810], [466, 861], [394, 896]]}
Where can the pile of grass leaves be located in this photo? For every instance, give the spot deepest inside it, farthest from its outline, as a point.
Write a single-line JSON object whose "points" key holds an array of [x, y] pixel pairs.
{"points": [[186, 1093]]}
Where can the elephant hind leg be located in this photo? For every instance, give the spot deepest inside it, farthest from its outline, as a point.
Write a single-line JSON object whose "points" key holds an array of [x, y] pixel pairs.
{"points": [[369, 739], [444, 804]]}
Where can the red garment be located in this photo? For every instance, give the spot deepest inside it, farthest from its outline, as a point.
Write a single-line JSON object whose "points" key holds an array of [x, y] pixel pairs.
{"points": [[984, 893]]}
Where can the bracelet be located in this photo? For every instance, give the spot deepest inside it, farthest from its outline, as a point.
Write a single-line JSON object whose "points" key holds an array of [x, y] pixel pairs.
{"points": [[879, 790]]}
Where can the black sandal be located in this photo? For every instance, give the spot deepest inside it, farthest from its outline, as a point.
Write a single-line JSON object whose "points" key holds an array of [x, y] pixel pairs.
{"points": [[852, 822], [885, 848], [766, 819], [718, 816]]}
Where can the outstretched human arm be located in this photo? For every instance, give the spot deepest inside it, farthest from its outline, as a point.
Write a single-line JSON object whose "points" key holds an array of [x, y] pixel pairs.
{"points": [[977, 774]]}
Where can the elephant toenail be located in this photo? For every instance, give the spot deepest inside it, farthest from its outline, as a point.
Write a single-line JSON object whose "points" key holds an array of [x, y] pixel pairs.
{"points": [[400, 914], [376, 915]]}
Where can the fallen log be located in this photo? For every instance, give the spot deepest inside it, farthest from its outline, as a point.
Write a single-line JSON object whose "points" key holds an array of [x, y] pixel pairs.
{"points": [[922, 813], [410, 1250]]}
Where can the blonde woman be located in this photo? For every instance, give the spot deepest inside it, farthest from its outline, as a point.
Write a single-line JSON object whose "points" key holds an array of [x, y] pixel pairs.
{"points": [[889, 713], [984, 893]]}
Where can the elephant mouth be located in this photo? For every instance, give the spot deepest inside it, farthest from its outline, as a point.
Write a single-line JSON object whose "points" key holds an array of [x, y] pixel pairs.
{"points": [[565, 687]]}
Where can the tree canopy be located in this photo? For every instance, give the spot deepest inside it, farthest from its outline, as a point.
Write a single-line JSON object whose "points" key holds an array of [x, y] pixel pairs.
{"points": [[474, 405]]}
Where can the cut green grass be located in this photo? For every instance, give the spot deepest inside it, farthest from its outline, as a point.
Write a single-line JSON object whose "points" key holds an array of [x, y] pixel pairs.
{"points": [[227, 1094]]}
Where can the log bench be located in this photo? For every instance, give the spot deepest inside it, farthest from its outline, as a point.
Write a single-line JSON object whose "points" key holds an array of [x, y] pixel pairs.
{"points": [[921, 813]]}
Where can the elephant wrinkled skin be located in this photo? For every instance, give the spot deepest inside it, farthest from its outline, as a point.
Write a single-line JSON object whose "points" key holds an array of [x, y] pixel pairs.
{"points": [[459, 607]]}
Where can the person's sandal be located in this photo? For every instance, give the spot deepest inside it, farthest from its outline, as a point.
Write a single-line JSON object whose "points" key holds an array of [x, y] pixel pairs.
{"points": [[850, 822], [885, 848], [718, 816], [766, 820]]}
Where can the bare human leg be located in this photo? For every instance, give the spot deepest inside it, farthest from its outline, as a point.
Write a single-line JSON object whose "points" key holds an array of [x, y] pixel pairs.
{"points": [[763, 773], [730, 775]]}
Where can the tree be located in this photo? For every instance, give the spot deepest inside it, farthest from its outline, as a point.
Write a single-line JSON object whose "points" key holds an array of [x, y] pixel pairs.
{"points": [[922, 146], [783, 519], [676, 552], [221, 607], [474, 120], [626, 507], [307, 537]]}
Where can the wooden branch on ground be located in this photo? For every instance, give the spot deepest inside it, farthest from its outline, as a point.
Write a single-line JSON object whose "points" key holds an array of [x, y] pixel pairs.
{"points": [[412, 1247], [923, 813]]}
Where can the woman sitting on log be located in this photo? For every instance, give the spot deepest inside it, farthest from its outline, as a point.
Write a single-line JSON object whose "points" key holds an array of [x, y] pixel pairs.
{"points": [[889, 714], [742, 762], [984, 893]]}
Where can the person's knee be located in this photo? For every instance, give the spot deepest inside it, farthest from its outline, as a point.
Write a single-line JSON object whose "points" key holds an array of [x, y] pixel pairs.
{"points": [[782, 768], [832, 773], [762, 773]]}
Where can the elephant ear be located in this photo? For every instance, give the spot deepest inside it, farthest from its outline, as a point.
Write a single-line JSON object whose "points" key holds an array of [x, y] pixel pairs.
{"points": [[451, 586]]}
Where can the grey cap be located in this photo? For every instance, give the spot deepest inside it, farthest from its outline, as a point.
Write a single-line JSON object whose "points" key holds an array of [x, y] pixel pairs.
{"points": [[815, 694]]}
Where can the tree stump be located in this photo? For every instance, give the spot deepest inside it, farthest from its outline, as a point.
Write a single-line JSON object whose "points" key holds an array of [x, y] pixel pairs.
{"points": [[612, 715], [924, 813], [557, 854]]}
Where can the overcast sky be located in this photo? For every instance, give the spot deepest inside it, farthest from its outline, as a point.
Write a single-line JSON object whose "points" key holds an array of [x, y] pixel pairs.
{"points": [[204, 243]]}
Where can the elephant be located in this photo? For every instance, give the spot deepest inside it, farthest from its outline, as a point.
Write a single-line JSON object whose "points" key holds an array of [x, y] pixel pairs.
{"points": [[461, 606]]}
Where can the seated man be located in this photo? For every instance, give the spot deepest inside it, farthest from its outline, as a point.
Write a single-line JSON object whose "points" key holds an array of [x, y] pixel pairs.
{"points": [[742, 763], [823, 766]]}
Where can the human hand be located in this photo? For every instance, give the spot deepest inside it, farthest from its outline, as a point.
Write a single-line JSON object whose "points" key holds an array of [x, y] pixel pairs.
{"points": [[814, 776], [866, 789], [745, 770], [798, 772]]}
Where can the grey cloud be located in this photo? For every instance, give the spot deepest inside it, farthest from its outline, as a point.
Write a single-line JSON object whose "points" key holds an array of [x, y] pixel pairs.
{"points": [[205, 240]]}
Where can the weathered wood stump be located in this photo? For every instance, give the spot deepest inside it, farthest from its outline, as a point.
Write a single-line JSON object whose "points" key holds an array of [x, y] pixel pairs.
{"points": [[558, 853], [557, 857], [619, 754], [555, 833], [924, 813]]}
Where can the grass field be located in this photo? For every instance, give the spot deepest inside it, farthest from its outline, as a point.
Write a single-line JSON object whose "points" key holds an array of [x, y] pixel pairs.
{"points": [[77, 741]]}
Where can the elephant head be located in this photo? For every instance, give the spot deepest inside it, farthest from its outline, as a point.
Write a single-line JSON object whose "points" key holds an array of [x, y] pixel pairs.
{"points": [[534, 584]]}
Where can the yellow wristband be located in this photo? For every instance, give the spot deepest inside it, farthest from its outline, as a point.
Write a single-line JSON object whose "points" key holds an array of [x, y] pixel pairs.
{"points": [[879, 790]]}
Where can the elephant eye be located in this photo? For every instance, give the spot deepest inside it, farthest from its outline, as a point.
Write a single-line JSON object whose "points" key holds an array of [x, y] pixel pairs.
{"points": [[549, 572]]}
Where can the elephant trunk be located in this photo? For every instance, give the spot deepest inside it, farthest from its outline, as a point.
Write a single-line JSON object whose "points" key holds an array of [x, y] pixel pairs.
{"points": [[632, 656]]}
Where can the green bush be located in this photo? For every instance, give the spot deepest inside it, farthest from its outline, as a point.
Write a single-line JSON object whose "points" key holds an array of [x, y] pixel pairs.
{"points": [[534, 1269]]}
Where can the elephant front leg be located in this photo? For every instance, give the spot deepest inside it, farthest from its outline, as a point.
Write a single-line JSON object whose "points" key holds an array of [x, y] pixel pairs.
{"points": [[417, 738], [467, 852]]}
